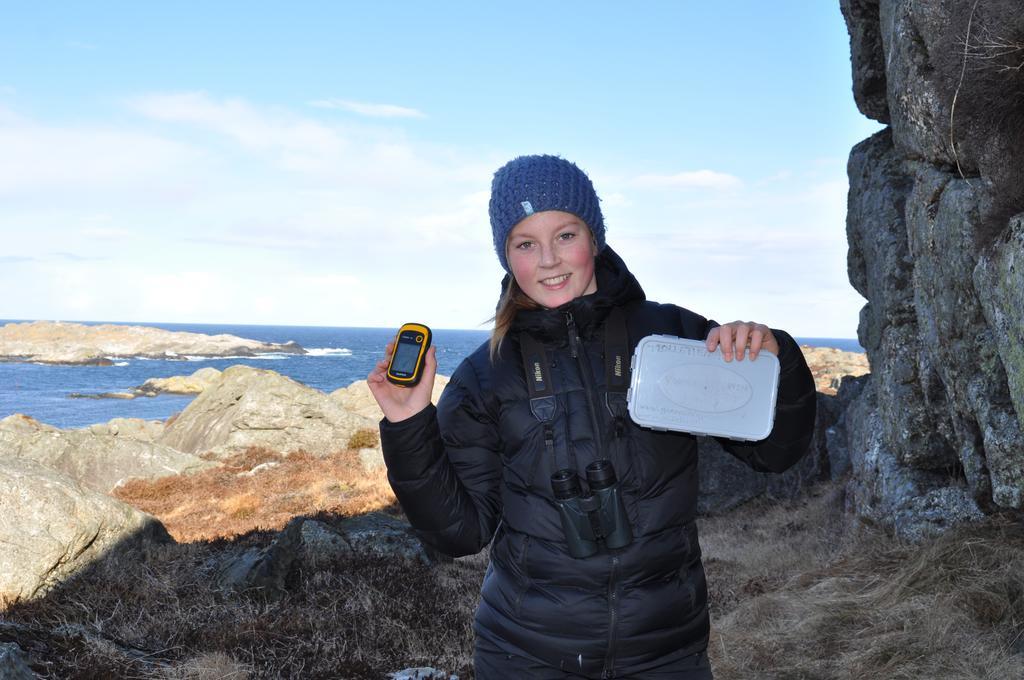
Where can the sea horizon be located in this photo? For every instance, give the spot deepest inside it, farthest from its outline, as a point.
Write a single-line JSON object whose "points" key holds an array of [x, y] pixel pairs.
{"points": [[337, 356], [846, 344]]}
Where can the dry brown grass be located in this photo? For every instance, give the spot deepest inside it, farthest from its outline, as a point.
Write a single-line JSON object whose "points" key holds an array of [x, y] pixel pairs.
{"points": [[238, 497], [797, 591], [160, 614], [803, 595], [364, 439]]}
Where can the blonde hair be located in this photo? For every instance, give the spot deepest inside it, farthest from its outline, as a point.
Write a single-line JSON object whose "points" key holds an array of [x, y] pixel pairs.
{"points": [[512, 300]]}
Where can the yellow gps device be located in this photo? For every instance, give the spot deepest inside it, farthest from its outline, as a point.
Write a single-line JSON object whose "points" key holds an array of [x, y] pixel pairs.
{"points": [[410, 353]]}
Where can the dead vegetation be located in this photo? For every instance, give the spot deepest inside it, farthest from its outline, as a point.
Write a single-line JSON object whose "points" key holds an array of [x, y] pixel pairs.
{"points": [[260, 489], [797, 591], [160, 615]]}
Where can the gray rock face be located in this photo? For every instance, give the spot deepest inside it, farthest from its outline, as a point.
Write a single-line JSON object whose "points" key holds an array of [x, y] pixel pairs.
{"points": [[912, 32], [254, 407], [52, 526], [938, 436], [999, 274], [100, 457], [916, 503], [869, 89]]}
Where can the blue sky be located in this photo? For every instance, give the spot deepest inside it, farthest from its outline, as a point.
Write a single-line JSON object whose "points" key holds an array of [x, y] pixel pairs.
{"points": [[328, 163]]}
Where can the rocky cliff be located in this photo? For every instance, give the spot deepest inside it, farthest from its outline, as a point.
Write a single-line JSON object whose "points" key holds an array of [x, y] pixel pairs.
{"points": [[936, 239]]}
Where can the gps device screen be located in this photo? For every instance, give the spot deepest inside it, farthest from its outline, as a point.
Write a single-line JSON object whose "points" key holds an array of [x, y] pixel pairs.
{"points": [[405, 357], [409, 355]]}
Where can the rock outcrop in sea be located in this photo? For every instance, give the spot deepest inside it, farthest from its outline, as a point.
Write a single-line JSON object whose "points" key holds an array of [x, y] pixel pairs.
{"points": [[56, 342], [936, 239]]}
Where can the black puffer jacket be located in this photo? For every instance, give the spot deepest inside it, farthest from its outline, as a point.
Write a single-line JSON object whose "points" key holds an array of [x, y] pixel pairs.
{"points": [[476, 468]]}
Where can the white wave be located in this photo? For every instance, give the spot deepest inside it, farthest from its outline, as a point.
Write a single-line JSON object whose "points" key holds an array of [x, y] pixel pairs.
{"points": [[120, 363], [257, 357], [329, 351]]}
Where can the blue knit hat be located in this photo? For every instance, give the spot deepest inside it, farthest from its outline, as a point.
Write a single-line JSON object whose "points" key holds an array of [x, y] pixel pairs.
{"points": [[532, 184]]}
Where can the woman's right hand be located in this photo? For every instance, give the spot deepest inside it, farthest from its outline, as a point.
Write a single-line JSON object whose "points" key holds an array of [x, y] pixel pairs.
{"points": [[396, 401]]}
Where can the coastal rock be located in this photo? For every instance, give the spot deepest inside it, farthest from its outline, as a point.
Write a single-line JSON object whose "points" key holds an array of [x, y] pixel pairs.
{"points": [[915, 503], [867, 57], [100, 460], [130, 428], [51, 526], [913, 33], [358, 399], [254, 407], [180, 384], [939, 436], [1000, 273], [830, 366], [57, 342]]}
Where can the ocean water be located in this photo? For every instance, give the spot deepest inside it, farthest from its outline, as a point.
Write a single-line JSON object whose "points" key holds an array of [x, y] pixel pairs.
{"points": [[336, 357]]}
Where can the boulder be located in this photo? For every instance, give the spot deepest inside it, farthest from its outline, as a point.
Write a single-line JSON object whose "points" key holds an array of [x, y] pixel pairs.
{"points": [[358, 399], [129, 428], [311, 542], [51, 526], [422, 673], [254, 407], [180, 384], [372, 534], [100, 459]]}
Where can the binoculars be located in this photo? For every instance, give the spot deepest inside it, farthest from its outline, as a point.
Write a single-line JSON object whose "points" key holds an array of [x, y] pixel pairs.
{"points": [[595, 519]]}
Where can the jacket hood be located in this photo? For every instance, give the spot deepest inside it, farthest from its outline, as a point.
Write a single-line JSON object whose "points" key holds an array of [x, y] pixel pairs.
{"points": [[616, 286]]}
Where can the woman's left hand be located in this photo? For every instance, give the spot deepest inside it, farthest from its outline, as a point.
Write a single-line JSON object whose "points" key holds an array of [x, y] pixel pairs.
{"points": [[738, 336]]}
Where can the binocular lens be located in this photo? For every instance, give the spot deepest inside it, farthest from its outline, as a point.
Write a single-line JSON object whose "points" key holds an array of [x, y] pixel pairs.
{"points": [[600, 475], [565, 485]]}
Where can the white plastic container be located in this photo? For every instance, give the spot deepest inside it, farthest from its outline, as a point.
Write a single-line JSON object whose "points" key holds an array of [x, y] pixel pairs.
{"points": [[678, 385]]}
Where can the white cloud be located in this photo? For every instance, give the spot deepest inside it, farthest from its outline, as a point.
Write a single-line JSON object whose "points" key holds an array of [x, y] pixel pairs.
{"points": [[238, 120], [696, 179], [35, 156], [106, 233], [368, 109]]}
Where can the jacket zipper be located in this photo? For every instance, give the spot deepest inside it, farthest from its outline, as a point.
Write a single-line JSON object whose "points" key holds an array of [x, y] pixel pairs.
{"points": [[583, 364], [579, 354], [525, 585], [613, 611]]}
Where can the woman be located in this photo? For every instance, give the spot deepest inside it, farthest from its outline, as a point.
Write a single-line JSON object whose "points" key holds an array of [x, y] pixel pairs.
{"points": [[476, 470]]}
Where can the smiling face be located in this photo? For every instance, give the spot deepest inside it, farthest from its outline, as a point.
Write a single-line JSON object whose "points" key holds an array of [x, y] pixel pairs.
{"points": [[551, 255]]}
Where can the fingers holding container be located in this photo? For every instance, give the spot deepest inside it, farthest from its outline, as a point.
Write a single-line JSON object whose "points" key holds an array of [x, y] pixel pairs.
{"points": [[737, 337]]}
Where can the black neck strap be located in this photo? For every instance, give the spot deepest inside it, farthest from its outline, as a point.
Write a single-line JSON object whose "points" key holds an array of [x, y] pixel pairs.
{"points": [[536, 369]]}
